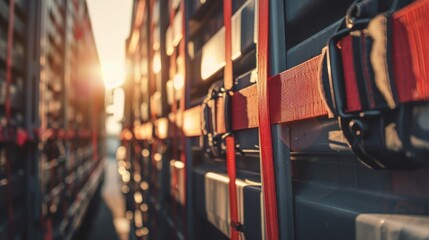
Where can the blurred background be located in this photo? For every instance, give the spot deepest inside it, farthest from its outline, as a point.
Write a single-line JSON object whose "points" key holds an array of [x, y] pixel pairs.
{"points": [[111, 23]]}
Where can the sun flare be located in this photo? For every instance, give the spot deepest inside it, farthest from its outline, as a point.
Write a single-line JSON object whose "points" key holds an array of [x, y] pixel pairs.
{"points": [[113, 75]]}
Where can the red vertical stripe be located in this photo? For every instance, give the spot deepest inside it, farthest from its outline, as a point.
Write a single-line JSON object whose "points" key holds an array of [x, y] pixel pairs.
{"points": [[230, 140], [232, 187], [265, 138]]}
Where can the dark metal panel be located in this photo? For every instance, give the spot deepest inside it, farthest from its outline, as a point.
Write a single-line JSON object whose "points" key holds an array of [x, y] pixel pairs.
{"points": [[252, 213]]}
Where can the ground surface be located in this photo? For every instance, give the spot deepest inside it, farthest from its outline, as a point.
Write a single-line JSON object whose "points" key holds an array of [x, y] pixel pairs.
{"points": [[108, 221]]}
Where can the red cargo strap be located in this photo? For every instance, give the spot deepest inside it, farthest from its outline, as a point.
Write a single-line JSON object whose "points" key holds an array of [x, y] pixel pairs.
{"points": [[294, 96], [409, 58], [265, 138], [410, 41], [230, 140]]}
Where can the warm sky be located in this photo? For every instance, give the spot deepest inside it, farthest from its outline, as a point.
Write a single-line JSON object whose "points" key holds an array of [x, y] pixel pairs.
{"points": [[111, 24]]}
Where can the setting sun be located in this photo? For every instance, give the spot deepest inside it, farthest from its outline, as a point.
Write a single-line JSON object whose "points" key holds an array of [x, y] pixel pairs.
{"points": [[113, 75]]}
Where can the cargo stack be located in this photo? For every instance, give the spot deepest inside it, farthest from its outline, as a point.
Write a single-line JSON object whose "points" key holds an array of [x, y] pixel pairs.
{"points": [[158, 96], [146, 176], [258, 119], [208, 80], [52, 118], [13, 113]]}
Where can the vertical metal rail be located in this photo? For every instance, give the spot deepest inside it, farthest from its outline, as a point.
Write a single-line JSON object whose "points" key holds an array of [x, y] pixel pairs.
{"points": [[186, 155], [281, 152], [32, 155], [164, 11], [283, 173]]}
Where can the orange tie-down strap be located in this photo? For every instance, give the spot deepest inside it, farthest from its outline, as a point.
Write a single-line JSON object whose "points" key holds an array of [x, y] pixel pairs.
{"points": [[294, 95], [231, 168]]}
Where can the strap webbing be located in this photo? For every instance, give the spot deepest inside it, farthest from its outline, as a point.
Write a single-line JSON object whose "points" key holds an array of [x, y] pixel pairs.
{"points": [[230, 140], [265, 138], [409, 59], [410, 42], [294, 93]]}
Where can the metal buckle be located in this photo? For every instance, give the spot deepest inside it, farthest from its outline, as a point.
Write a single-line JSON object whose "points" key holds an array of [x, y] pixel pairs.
{"points": [[353, 124], [213, 142], [205, 118], [357, 18], [366, 130], [336, 75]]}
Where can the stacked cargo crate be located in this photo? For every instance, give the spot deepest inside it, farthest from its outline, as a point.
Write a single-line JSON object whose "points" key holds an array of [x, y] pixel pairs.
{"points": [[297, 174], [162, 101], [146, 190], [13, 85], [208, 56], [52, 102], [73, 100], [135, 185]]}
